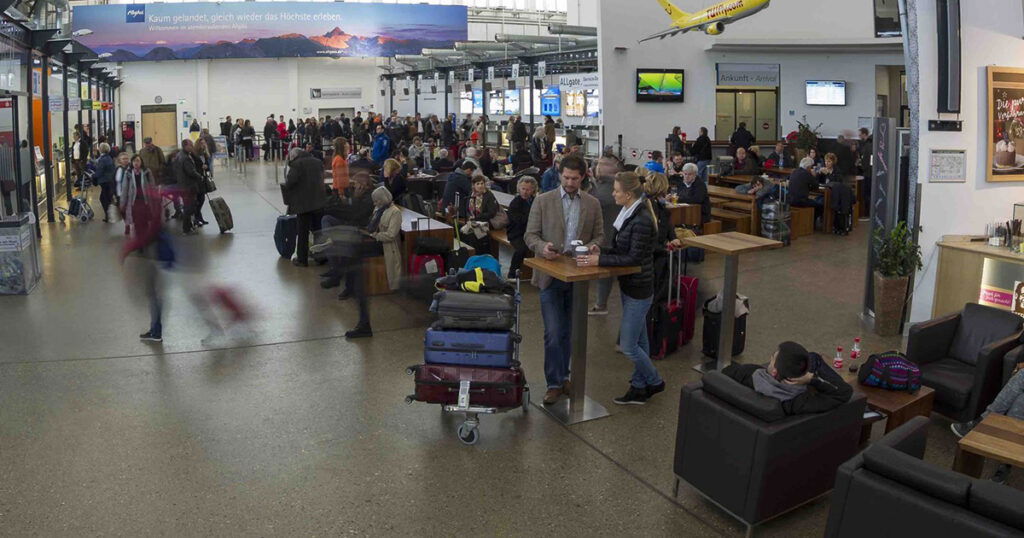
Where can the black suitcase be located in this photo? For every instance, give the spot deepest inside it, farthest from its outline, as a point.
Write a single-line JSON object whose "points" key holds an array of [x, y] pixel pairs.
{"points": [[286, 235], [713, 328], [479, 311]]}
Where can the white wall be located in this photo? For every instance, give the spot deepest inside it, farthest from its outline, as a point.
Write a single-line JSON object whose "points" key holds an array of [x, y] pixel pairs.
{"points": [[252, 88], [644, 125], [989, 37]]}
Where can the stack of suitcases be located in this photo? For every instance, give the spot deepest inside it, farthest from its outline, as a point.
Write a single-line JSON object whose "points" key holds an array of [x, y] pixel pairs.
{"points": [[471, 356]]}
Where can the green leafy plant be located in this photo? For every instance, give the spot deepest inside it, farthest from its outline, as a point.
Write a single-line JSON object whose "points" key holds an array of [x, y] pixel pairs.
{"points": [[896, 253]]}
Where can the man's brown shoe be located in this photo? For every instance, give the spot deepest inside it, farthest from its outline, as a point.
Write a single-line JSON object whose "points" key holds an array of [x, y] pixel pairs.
{"points": [[551, 396], [567, 387]]}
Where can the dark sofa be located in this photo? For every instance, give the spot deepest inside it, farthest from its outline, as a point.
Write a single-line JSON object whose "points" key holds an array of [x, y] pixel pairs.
{"points": [[740, 451], [888, 491]]}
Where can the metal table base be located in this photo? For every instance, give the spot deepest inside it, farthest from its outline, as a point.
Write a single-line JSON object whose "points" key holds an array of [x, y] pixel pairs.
{"points": [[578, 407]]}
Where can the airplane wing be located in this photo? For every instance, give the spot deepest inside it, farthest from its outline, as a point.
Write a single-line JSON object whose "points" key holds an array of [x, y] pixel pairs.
{"points": [[667, 33]]}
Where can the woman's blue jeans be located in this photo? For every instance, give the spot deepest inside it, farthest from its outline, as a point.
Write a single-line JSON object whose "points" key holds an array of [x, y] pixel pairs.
{"points": [[634, 342]]}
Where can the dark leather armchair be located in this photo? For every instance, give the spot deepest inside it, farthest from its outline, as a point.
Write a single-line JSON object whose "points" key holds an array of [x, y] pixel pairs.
{"points": [[739, 450], [888, 491], [961, 357]]}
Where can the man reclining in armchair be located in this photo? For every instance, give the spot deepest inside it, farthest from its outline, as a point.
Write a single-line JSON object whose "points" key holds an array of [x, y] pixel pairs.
{"points": [[802, 381]]}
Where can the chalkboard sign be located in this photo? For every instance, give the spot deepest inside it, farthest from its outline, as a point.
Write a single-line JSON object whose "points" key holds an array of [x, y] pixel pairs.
{"points": [[1005, 150]]}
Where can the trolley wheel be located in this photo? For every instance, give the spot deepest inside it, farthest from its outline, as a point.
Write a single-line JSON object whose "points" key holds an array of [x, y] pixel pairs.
{"points": [[84, 218], [409, 400], [468, 434], [526, 400]]}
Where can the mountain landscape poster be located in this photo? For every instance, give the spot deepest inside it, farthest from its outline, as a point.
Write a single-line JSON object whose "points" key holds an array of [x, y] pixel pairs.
{"points": [[209, 30]]}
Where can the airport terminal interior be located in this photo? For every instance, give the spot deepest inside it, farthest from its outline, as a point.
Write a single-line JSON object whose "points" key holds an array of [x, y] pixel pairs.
{"points": [[460, 268]]}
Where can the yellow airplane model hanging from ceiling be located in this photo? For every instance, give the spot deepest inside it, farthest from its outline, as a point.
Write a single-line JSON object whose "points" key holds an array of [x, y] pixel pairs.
{"points": [[711, 21]]}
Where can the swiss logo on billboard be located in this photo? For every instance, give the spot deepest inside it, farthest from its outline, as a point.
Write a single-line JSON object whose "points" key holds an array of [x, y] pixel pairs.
{"points": [[135, 13]]}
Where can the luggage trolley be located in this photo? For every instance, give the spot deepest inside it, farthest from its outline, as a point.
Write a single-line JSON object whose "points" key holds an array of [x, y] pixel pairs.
{"points": [[468, 432], [78, 206]]}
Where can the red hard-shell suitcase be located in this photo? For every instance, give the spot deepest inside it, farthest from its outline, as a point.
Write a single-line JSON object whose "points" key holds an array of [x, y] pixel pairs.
{"points": [[688, 305], [488, 387], [666, 320]]}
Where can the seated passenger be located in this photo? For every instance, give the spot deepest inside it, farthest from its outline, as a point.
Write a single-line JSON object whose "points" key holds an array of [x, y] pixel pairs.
{"points": [[655, 164], [443, 164], [693, 191], [551, 178], [830, 172], [801, 183], [782, 158], [675, 170], [801, 381], [1009, 402], [744, 164]]}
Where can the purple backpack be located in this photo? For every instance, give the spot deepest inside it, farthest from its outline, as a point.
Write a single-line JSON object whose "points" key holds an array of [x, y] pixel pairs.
{"points": [[890, 370]]}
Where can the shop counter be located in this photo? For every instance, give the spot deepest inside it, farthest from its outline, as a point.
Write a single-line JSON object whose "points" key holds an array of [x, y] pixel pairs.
{"points": [[974, 272]]}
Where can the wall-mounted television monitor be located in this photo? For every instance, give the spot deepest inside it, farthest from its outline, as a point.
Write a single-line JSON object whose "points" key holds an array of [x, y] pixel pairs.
{"points": [[495, 102], [575, 103], [511, 102], [593, 104], [659, 85], [826, 92], [551, 101], [478, 101]]}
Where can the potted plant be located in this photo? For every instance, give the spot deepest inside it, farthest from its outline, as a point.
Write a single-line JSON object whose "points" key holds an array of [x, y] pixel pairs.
{"points": [[804, 138], [896, 257]]}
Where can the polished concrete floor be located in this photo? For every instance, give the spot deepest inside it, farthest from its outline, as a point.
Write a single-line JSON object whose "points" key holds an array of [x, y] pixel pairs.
{"points": [[293, 430]]}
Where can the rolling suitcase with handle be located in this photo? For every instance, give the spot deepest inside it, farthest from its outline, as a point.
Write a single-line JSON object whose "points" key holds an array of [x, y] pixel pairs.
{"points": [[488, 387], [222, 213], [470, 348], [474, 311], [664, 319], [286, 235]]}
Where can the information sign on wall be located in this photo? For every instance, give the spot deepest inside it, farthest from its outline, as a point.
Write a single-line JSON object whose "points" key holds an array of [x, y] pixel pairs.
{"points": [[579, 81], [335, 93], [214, 30], [730, 74]]}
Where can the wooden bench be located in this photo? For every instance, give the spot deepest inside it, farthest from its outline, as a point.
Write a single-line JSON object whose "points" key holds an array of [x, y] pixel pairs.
{"points": [[803, 221], [499, 238], [733, 220], [730, 200]]}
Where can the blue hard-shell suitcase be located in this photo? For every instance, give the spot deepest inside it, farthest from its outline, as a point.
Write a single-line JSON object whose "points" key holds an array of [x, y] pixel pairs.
{"points": [[470, 348], [286, 234]]}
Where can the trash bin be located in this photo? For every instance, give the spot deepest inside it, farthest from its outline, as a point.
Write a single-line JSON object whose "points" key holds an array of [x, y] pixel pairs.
{"points": [[19, 255], [713, 327]]}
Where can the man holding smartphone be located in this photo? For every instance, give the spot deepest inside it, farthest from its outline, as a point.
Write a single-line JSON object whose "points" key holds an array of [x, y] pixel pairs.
{"points": [[557, 218]]}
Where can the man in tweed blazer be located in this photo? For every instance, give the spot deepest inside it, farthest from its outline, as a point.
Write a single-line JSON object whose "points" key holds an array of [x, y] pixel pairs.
{"points": [[557, 218]]}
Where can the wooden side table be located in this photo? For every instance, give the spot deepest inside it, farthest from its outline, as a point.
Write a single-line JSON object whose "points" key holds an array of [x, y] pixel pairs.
{"points": [[731, 244], [578, 407], [898, 406], [998, 437]]}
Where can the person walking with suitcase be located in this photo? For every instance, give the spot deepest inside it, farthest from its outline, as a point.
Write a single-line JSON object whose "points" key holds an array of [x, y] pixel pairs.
{"points": [[636, 228], [305, 196], [188, 179], [558, 218]]}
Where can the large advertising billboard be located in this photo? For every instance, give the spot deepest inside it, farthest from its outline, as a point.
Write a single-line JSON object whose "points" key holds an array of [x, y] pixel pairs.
{"points": [[215, 30]]}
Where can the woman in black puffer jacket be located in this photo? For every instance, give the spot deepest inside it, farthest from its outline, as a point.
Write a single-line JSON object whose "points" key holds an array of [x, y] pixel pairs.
{"points": [[636, 230]]}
